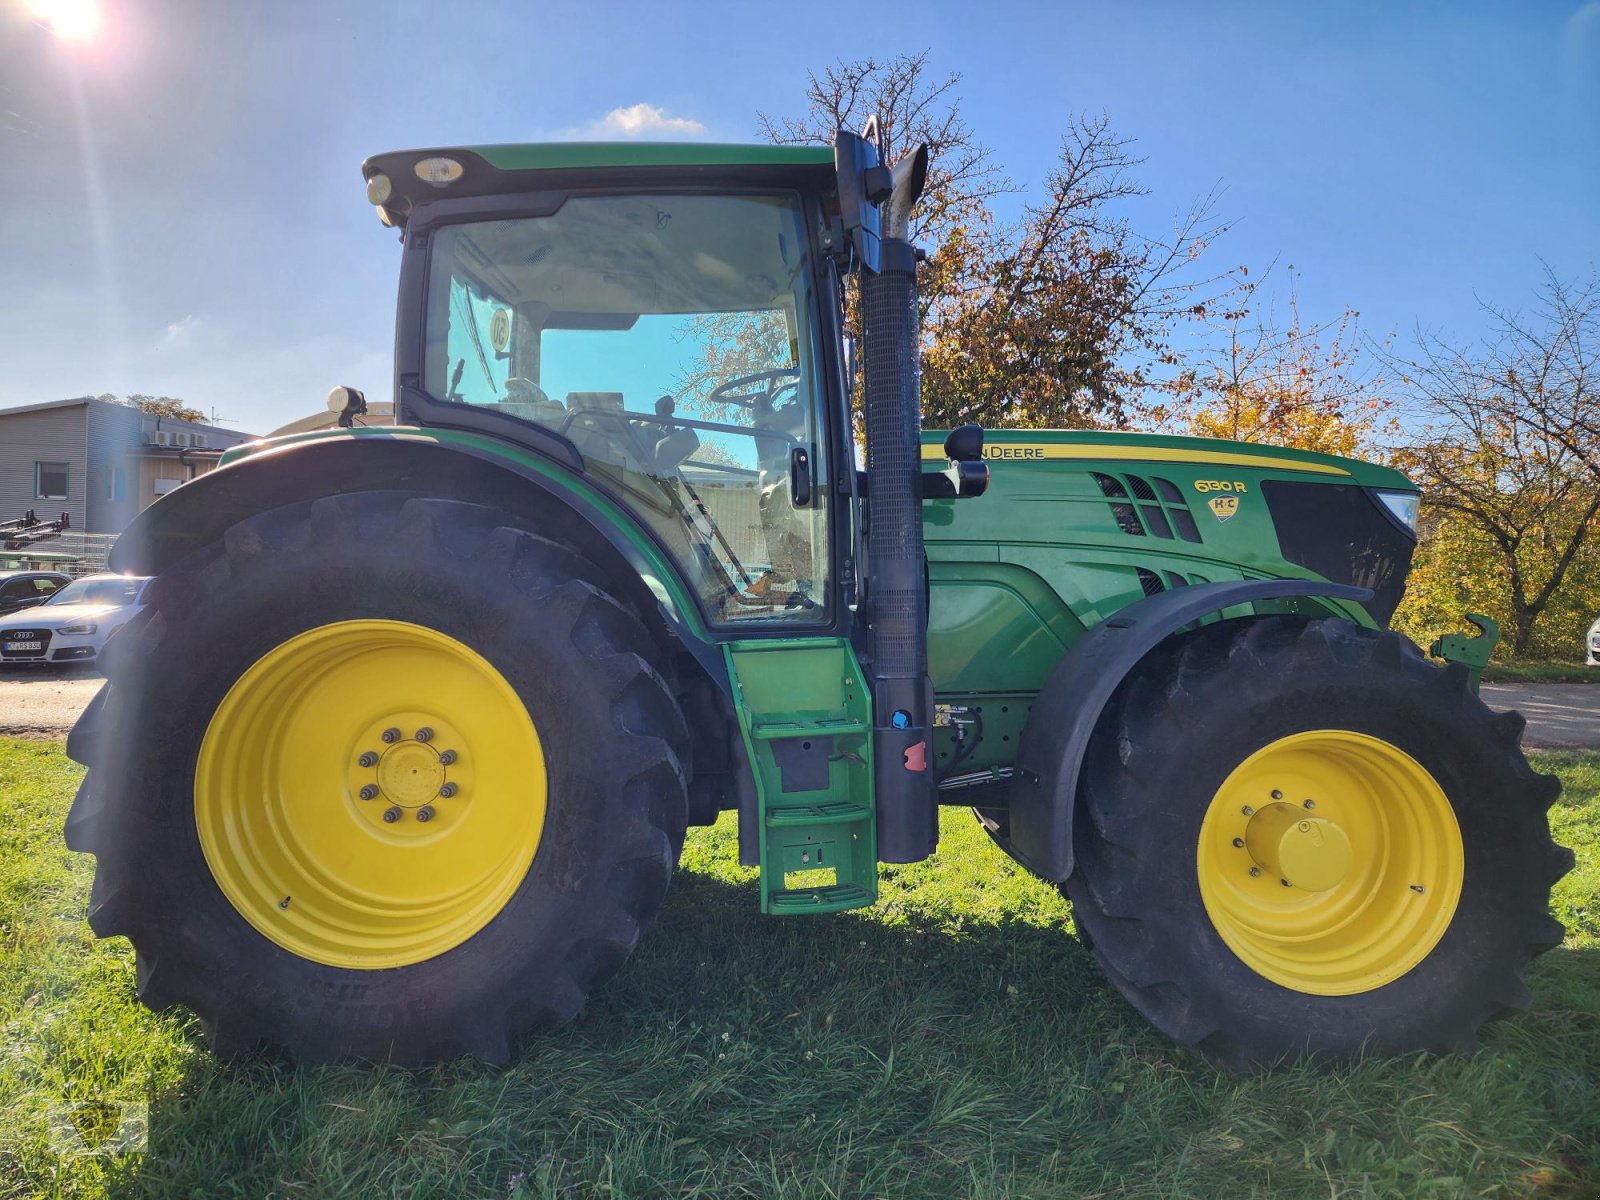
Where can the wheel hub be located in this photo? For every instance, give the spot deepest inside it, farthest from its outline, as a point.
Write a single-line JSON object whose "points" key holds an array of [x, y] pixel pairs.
{"points": [[410, 774], [1306, 852], [405, 767]]}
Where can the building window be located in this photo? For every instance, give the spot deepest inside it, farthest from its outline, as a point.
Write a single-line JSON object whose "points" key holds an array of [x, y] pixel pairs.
{"points": [[116, 485], [50, 480]]}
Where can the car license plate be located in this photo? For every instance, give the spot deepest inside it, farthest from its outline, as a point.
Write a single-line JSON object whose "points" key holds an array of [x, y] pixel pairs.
{"points": [[24, 645]]}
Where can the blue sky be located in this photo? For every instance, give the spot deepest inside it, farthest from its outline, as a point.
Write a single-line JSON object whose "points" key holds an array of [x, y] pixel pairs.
{"points": [[209, 238]]}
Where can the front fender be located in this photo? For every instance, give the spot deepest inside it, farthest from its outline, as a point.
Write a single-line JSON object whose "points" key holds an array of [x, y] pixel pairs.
{"points": [[1050, 752]]}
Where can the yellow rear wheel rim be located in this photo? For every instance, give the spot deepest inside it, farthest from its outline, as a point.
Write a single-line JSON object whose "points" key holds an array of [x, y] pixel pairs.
{"points": [[1330, 862], [370, 794]]}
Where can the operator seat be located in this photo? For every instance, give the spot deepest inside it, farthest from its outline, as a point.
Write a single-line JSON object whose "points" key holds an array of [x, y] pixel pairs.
{"points": [[526, 399], [597, 434], [677, 442]]}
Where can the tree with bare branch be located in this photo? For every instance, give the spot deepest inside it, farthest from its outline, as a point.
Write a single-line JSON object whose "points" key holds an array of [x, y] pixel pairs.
{"points": [[1062, 317], [1511, 446], [1285, 381]]}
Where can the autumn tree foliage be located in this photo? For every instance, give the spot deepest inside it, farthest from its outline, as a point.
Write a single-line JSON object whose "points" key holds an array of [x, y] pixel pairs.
{"points": [[1283, 381], [1063, 316]]}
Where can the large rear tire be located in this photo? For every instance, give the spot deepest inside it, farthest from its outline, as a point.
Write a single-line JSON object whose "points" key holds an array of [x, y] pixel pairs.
{"points": [[379, 776], [1302, 837]]}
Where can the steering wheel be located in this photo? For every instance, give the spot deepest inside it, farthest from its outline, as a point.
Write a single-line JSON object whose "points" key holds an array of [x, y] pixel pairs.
{"points": [[759, 391]]}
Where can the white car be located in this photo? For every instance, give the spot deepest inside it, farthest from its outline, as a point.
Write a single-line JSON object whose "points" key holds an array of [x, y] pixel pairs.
{"points": [[73, 625], [1593, 642]]}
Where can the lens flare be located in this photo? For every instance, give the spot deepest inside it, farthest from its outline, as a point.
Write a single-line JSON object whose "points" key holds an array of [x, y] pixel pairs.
{"points": [[70, 20]]}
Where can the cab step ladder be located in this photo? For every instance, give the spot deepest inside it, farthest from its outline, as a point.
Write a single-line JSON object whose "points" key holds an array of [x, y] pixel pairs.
{"points": [[806, 715]]}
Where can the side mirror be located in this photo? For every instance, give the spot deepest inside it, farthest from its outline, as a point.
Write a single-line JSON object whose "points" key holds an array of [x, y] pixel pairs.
{"points": [[863, 182], [967, 475], [964, 443], [958, 481]]}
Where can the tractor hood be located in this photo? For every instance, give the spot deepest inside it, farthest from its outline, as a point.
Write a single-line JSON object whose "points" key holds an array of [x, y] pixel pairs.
{"points": [[1143, 513], [1035, 446]]}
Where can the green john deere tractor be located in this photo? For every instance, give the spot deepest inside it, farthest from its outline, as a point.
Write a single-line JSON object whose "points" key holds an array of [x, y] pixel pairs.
{"points": [[398, 760]]}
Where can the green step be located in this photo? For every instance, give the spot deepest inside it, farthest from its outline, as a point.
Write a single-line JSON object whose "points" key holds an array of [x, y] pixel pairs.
{"points": [[834, 812], [836, 898], [768, 731], [823, 832]]}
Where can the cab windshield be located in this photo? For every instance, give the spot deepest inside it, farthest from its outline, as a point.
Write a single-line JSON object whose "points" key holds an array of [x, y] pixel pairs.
{"points": [[669, 338]]}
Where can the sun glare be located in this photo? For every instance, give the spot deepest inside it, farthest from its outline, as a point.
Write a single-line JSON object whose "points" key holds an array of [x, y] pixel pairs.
{"points": [[72, 20]]}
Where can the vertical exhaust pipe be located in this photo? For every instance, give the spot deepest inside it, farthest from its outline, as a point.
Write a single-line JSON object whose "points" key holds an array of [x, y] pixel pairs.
{"points": [[908, 815]]}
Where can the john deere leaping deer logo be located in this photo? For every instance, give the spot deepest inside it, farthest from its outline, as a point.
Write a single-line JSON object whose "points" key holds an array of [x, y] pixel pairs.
{"points": [[1223, 507]]}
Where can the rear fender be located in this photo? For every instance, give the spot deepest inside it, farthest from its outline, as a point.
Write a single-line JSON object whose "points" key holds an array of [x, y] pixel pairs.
{"points": [[1051, 749], [459, 467]]}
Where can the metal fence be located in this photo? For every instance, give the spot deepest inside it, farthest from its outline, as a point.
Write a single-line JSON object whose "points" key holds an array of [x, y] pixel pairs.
{"points": [[72, 551]]}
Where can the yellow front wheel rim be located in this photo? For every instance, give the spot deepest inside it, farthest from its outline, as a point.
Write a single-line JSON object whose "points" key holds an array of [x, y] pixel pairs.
{"points": [[1330, 862], [370, 794]]}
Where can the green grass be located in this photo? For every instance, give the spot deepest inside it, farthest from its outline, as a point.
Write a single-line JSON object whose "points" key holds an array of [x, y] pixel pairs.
{"points": [[954, 1041], [1540, 672]]}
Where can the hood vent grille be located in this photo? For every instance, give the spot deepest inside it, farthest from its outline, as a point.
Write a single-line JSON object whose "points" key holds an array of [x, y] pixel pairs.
{"points": [[1152, 582], [1151, 507]]}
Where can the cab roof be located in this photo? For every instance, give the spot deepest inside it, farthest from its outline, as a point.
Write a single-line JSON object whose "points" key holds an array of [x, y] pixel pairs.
{"points": [[540, 156], [498, 169]]}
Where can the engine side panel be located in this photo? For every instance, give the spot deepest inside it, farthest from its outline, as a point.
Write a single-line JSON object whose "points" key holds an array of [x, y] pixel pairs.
{"points": [[1078, 526]]}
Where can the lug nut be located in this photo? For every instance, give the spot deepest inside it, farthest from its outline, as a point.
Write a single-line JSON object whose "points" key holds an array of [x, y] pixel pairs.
{"points": [[370, 792], [448, 790], [1285, 883], [425, 734], [1238, 843], [1276, 794], [391, 814], [1254, 871], [425, 813], [1248, 811], [448, 757], [1311, 803], [368, 759], [391, 735]]}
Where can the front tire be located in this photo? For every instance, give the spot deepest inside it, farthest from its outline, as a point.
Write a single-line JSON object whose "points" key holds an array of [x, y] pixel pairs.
{"points": [[381, 776], [1301, 837]]}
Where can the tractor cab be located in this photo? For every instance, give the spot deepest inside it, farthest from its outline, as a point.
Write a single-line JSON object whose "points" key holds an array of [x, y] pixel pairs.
{"points": [[678, 337]]}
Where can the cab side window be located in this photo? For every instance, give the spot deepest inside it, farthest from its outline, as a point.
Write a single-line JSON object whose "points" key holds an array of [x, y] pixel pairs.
{"points": [[670, 339]]}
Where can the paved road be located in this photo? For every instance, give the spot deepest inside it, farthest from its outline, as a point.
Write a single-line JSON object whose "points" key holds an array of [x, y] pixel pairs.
{"points": [[45, 703], [1561, 716]]}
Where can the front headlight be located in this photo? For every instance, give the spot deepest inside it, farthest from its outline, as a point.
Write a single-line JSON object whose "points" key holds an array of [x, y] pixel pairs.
{"points": [[1402, 506], [78, 630]]}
